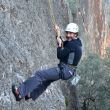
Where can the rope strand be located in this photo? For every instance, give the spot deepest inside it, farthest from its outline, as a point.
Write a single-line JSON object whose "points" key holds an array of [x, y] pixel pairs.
{"points": [[51, 12]]}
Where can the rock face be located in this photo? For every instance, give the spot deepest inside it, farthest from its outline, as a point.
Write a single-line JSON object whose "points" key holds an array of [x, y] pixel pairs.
{"points": [[95, 17], [27, 44]]}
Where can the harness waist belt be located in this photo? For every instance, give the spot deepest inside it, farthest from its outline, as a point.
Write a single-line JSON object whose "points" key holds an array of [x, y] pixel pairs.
{"points": [[72, 66]]}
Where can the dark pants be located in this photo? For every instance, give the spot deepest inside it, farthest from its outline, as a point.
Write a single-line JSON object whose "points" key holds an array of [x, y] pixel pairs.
{"points": [[38, 83], [40, 89]]}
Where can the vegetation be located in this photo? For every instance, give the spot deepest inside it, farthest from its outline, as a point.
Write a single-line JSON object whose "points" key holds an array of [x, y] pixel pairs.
{"points": [[94, 87]]}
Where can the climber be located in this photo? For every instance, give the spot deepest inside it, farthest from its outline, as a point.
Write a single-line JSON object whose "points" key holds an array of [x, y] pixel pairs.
{"points": [[69, 54]]}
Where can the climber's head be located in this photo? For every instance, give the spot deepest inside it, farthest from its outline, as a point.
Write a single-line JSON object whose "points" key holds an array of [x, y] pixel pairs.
{"points": [[71, 31]]}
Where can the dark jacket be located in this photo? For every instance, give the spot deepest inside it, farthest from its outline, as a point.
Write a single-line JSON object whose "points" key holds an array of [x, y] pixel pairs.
{"points": [[71, 52]]}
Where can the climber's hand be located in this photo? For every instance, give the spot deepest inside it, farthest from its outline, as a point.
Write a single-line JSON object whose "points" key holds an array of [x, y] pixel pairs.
{"points": [[57, 30], [59, 41]]}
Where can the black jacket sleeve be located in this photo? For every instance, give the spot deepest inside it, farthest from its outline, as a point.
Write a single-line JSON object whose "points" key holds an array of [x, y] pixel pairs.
{"points": [[78, 54]]}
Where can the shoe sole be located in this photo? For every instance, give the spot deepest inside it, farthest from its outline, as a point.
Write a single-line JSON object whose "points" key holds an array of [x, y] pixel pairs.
{"points": [[14, 93]]}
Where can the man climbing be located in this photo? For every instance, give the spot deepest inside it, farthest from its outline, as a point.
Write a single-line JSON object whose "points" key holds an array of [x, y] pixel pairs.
{"points": [[69, 53]]}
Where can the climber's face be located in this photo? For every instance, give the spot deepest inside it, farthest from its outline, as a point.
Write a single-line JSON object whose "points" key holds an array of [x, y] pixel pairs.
{"points": [[70, 36]]}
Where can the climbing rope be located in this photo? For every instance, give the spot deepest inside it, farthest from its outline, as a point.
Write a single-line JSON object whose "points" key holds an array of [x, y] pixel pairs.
{"points": [[52, 15], [51, 12]]}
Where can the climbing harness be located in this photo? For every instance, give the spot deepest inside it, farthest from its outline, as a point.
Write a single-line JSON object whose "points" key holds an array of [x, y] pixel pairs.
{"points": [[74, 79]]}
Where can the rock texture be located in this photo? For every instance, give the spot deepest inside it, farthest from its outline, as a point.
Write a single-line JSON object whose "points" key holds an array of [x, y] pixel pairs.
{"points": [[95, 17], [27, 44]]}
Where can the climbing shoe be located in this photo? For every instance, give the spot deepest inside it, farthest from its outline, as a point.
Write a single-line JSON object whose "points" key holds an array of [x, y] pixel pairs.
{"points": [[15, 92], [27, 97]]}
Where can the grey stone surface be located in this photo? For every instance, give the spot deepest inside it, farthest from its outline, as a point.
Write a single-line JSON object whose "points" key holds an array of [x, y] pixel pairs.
{"points": [[27, 44]]}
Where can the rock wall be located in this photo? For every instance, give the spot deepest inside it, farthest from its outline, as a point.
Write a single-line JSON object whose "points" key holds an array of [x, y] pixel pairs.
{"points": [[95, 17], [27, 44]]}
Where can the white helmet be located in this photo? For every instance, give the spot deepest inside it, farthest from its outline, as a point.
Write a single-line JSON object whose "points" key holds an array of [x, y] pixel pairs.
{"points": [[72, 27]]}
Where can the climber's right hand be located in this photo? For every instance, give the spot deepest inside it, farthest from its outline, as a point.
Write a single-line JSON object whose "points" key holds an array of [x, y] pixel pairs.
{"points": [[57, 30]]}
